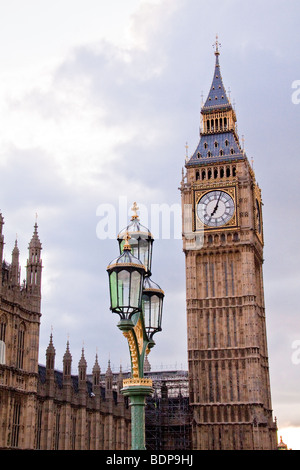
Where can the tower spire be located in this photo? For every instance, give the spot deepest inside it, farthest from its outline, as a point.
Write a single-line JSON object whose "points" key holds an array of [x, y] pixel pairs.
{"points": [[34, 266], [219, 140], [96, 375], [15, 270], [217, 97], [50, 355]]}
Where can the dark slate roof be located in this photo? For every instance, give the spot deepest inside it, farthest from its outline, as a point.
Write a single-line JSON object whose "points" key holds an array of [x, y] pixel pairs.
{"points": [[58, 377], [217, 97], [211, 146]]}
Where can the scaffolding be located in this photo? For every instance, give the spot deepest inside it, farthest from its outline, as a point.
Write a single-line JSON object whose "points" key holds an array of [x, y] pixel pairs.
{"points": [[168, 415]]}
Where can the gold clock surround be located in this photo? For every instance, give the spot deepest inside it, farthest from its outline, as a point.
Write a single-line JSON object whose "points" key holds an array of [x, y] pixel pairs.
{"points": [[232, 223]]}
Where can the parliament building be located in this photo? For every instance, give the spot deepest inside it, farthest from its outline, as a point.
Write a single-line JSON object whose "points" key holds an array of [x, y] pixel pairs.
{"points": [[41, 407]]}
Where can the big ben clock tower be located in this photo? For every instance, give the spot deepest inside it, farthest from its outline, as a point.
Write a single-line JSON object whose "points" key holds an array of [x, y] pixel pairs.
{"points": [[227, 344]]}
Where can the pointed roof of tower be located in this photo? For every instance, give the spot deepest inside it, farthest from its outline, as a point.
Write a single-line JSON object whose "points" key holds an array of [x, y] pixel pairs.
{"points": [[147, 365], [16, 250], [35, 241], [108, 372], [82, 362], [217, 97], [50, 348], [67, 355], [96, 367], [219, 141]]}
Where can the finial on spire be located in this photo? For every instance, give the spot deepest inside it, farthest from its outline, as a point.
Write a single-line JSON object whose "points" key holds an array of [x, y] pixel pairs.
{"points": [[216, 46], [229, 94], [135, 208], [36, 224]]}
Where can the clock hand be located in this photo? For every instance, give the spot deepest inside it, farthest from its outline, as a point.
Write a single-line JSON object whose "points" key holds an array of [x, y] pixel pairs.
{"points": [[216, 208]]}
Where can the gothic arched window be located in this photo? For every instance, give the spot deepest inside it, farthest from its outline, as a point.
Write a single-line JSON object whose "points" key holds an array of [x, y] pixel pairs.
{"points": [[3, 323], [20, 346]]}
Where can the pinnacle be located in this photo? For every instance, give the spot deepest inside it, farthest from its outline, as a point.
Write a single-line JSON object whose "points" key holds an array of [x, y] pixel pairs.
{"points": [[35, 241]]}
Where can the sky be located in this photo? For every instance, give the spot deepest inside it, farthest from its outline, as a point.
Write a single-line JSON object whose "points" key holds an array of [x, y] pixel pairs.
{"points": [[97, 102]]}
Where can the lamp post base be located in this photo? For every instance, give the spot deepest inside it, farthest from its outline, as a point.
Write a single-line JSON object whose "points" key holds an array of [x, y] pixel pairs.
{"points": [[137, 390]]}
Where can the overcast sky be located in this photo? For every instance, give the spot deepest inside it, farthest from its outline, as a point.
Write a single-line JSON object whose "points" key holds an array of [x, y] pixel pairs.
{"points": [[97, 102]]}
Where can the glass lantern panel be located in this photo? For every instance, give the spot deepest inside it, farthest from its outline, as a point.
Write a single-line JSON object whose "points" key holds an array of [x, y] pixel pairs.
{"points": [[155, 304], [144, 253], [150, 255], [135, 289], [123, 288], [134, 247], [146, 310], [122, 246], [113, 289]]}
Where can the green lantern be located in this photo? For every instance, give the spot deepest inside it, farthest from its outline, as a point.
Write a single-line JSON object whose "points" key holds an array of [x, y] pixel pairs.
{"points": [[126, 276], [152, 304]]}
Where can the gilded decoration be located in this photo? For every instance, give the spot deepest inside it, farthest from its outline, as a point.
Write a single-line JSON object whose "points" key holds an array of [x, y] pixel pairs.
{"points": [[137, 382], [133, 352], [138, 329]]}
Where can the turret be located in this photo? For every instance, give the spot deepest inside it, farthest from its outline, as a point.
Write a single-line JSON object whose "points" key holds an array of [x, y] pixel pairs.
{"points": [[147, 365], [96, 376], [15, 268], [82, 367], [50, 363], [120, 385], [67, 364], [108, 381], [34, 268], [67, 369]]}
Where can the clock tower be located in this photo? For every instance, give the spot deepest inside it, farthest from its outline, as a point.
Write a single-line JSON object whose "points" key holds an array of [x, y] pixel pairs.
{"points": [[223, 245]]}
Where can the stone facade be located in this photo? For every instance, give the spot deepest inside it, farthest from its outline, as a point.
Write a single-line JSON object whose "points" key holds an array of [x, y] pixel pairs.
{"points": [[40, 407], [223, 243]]}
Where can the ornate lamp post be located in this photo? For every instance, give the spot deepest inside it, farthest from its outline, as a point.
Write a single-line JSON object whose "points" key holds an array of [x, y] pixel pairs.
{"points": [[138, 301]]}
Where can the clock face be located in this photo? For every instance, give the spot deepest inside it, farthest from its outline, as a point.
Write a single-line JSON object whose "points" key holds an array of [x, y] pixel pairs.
{"points": [[215, 208]]}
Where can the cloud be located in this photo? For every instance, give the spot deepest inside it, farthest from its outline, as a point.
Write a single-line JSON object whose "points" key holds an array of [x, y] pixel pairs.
{"points": [[111, 120]]}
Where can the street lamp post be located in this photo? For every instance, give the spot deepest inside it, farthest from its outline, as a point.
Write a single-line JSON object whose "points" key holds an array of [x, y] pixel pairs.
{"points": [[138, 301]]}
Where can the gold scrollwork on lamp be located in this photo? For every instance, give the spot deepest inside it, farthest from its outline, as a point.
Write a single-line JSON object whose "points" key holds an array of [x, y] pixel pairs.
{"points": [[134, 353]]}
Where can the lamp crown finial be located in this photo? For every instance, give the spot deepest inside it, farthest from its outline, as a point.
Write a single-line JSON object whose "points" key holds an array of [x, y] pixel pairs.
{"points": [[135, 208], [127, 246]]}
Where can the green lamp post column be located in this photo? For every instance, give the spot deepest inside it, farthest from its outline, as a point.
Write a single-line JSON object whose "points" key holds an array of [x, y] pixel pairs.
{"points": [[139, 306]]}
